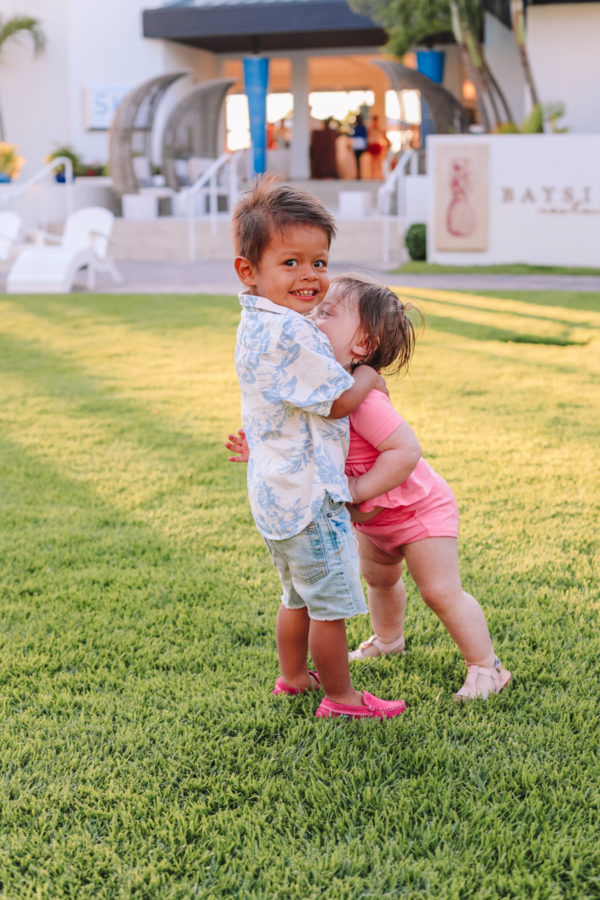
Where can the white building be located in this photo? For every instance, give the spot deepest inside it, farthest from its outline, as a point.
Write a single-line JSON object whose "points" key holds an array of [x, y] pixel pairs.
{"points": [[97, 51]]}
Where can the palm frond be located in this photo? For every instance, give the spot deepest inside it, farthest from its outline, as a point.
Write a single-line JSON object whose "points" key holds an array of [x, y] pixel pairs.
{"points": [[19, 26]]}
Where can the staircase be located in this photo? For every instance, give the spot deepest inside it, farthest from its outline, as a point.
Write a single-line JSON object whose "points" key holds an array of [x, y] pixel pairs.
{"points": [[360, 235]]}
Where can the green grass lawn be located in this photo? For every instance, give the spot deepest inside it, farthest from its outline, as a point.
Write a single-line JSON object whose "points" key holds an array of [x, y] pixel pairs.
{"points": [[416, 267], [142, 754]]}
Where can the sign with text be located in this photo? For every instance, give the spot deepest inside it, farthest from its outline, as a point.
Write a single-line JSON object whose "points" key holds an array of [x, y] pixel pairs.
{"points": [[100, 103], [541, 193]]}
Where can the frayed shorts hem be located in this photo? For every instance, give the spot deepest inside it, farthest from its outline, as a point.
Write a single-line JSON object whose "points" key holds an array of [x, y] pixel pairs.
{"points": [[318, 567]]}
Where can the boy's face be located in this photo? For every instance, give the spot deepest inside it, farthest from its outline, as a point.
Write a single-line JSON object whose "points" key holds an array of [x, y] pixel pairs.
{"points": [[293, 269]]}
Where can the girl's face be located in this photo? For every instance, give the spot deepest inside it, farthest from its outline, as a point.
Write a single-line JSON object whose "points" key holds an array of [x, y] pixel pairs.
{"points": [[337, 317]]}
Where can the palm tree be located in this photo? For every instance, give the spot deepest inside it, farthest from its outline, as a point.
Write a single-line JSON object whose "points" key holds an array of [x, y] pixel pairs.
{"points": [[17, 27], [517, 12], [410, 22]]}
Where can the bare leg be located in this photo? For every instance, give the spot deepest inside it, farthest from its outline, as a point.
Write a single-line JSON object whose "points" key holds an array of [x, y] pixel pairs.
{"points": [[433, 563], [329, 650], [385, 589], [292, 646]]}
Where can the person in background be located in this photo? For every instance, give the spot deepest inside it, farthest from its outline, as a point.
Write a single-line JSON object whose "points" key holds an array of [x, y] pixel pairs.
{"points": [[377, 147], [359, 141]]}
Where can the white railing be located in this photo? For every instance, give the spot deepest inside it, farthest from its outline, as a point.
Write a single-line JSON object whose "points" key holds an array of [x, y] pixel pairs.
{"points": [[221, 179], [408, 164], [7, 197], [394, 189]]}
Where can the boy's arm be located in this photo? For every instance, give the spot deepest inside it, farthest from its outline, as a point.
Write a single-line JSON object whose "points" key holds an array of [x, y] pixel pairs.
{"points": [[398, 456], [366, 380]]}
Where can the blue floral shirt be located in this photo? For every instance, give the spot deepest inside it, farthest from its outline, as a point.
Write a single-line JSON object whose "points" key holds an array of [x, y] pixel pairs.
{"points": [[289, 380]]}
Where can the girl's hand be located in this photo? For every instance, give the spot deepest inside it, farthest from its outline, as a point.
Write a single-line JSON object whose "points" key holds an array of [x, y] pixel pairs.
{"points": [[357, 516], [238, 445]]}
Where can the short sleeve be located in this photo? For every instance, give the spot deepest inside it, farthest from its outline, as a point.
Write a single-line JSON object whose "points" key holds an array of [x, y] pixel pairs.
{"points": [[306, 374], [375, 419]]}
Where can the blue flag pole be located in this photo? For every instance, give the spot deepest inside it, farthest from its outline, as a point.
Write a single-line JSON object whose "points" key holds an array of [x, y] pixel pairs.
{"points": [[256, 79]]}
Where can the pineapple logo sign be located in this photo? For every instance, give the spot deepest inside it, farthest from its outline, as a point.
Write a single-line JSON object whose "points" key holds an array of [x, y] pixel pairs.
{"points": [[461, 197]]}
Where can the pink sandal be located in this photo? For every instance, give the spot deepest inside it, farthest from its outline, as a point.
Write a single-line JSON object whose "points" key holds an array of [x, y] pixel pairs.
{"points": [[374, 647], [282, 688], [481, 682], [373, 708]]}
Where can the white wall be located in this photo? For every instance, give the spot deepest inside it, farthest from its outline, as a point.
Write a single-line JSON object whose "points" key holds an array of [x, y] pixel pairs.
{"points": [[564, 47], [33, 91], [504, 60], [543, 200], [88, 44]]}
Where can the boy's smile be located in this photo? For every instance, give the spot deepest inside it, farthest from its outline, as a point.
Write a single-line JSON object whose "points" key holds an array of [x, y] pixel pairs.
{"points": [[293, 269]]}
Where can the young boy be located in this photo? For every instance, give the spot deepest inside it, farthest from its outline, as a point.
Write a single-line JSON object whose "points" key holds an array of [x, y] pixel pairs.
{"points": [[295, 398]]}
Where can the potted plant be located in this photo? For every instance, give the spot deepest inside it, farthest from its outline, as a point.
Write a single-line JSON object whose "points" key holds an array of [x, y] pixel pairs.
{"points": [[70, 153], [10, 161]]}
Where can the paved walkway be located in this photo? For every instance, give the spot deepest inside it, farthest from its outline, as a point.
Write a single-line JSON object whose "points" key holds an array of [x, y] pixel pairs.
{"points": [[218, 277]]}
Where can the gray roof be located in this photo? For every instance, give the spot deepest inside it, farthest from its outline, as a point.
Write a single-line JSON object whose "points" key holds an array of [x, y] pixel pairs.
{"points": [[260, 26]]}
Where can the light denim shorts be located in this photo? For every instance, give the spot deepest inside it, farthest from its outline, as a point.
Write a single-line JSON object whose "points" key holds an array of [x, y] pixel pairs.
{"points": [[318, 567]]}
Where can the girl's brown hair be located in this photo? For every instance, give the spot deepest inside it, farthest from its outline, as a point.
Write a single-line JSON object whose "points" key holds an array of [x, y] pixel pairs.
{"points": [[272, 206], [390, 333]]}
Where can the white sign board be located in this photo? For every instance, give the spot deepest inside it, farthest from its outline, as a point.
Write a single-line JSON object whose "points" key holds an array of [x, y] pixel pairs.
{"points": [[514, 199], [100, 103]]}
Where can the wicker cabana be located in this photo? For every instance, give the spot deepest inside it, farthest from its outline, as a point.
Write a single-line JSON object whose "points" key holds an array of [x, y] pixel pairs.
{"points": [[192, 130], [130, 143], [449, 116]]}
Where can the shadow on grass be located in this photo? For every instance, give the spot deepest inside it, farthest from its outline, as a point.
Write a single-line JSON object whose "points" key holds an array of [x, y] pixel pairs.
{"points": [[476, 331], [524, 315], [567, 300], [91, 396], [141, 312]]}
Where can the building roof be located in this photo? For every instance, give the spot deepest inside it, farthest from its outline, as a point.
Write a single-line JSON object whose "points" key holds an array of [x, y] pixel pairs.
{"points": [[251, 26]]}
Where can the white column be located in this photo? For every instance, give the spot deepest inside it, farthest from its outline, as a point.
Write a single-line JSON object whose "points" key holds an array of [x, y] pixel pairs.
{"points": [[299, 159]]}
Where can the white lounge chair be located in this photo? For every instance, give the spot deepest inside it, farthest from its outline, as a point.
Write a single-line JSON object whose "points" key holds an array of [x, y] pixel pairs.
{"points": [[10, 228], [46, 269]]}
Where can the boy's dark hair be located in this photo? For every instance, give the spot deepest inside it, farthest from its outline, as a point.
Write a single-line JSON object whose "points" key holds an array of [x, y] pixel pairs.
{"points": [[272, 206], [390, 333]]}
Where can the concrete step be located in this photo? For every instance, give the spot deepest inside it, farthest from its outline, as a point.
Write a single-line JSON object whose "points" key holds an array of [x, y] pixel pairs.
{"points": [[359, 241]]}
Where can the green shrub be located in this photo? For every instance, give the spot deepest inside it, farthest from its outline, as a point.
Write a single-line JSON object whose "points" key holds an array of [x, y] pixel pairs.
{"points": [[415, 241]]}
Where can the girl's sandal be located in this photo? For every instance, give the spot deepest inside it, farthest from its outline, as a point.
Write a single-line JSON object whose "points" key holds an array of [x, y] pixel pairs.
{"points": [[374, 647], [481, 682]]}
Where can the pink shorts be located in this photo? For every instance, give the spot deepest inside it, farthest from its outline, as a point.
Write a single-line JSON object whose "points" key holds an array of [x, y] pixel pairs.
{"points": [[434, 516]]}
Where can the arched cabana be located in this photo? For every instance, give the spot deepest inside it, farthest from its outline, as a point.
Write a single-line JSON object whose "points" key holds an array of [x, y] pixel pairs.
{"points": [[192, 129], [130, 142], [449, 116]]}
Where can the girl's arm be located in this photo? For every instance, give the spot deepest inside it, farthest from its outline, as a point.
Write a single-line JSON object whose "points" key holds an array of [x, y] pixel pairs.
{"points": [[366, 380], [398, 456], [238, 444]]}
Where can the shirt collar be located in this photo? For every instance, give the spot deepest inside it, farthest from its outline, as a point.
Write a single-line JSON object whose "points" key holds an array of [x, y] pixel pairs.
{"points": [[253, 301]]}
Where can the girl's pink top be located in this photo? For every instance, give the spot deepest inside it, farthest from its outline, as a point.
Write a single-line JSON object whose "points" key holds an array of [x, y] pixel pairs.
{"points": [[370, 424]]}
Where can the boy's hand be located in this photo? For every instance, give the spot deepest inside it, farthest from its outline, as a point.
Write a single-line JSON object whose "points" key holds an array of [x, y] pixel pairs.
{"points": [[238, 444], [382, 386]]}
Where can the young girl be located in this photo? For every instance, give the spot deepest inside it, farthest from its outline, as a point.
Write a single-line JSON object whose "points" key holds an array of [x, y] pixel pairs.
{"points": [[403, 511]]}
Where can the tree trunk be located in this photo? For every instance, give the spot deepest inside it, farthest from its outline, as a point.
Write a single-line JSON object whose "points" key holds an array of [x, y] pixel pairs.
{"points": [[473, 71], [498, 90], [517, 14]]}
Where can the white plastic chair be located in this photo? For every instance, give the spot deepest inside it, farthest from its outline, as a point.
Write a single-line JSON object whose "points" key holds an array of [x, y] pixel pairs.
{"points": [[84, 243], [10, 228]]}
